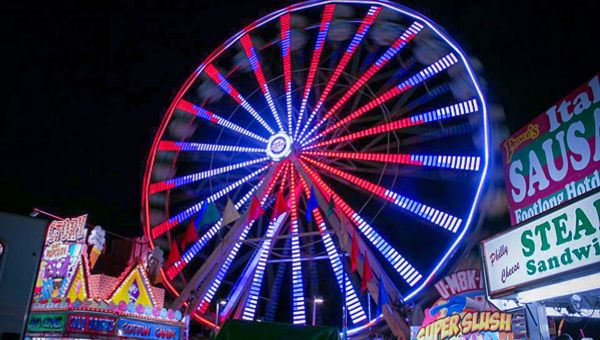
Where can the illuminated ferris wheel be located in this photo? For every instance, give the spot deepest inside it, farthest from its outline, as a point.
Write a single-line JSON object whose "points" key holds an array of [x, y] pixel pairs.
{"points": [[322, 129]]}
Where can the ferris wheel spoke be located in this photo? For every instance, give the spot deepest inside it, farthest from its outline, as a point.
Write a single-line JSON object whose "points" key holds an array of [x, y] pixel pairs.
{"points": [[260, 261], [448, 112], [214, 278], [402, 41], [355, 308], [298, 302], [218, 78], [250, 301], [470, 163], [352, 47], [286, 56], [428, 72], [191, 253], [187, 179], [392, 256], [191, 211], [435, 216], [314, 62], [165, 145], [198, 111], [260, 76]]}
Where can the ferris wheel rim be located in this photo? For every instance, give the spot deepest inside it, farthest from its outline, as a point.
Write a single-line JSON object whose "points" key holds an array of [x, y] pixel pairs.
{"points": [[272, 16]]}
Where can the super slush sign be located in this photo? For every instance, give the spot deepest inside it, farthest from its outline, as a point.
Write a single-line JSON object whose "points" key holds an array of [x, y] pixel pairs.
{"points": [[556, 157], [559, 242]]}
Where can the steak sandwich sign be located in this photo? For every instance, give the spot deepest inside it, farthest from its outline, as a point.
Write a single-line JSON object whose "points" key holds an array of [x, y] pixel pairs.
{"points": [[556, 157], [562, 241]]}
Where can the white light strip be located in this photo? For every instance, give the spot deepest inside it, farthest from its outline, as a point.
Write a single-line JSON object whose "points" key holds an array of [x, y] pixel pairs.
{"points": [[263, 254]]}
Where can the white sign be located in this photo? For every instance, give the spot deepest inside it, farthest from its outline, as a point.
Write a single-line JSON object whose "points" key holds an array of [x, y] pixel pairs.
{"points": [[561, 241]]}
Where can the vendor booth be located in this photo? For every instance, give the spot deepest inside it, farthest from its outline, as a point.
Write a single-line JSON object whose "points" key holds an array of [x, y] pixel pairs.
{"points": [[70, 302], [549, 263]]}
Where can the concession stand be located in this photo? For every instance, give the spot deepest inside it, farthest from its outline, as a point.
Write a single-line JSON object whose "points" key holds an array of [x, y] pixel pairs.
{"points": [[548, 264], [71, 302]]}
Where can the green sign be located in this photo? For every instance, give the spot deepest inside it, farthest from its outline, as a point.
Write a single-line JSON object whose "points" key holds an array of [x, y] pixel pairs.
{"points": [[46, 323]]}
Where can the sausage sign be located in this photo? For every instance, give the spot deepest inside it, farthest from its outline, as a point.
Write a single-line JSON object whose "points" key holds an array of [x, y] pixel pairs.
{"points": [[555, 158]]}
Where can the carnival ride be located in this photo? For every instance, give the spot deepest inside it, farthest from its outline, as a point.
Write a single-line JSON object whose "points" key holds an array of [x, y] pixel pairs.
{"points": [[322, 129]]}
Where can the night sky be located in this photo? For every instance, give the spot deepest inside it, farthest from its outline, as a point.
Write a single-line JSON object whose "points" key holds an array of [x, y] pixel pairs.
{"points": [[84, 88]]}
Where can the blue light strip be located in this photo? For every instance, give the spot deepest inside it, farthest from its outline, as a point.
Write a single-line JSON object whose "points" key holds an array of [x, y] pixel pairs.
{"points": [[314, 62], [216, 119], [447, 112], [362, 31], [256, 67], [449, 161], [225, 267], [212, 231], [191, 211], [405, 269], [218, 78], [177, 182], [200, 147], [232, 254], [402, 41], [433, 215], [355, 308], [428, 72], [401, 265]]}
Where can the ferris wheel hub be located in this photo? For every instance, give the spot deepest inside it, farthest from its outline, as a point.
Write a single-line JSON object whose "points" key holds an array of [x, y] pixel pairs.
{"points": [[279, 146]]}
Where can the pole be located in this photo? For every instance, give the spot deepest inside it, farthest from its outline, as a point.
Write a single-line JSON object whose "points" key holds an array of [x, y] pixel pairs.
{"points": [[344, 318], [217, 315], [369, 305], [314, 312]]}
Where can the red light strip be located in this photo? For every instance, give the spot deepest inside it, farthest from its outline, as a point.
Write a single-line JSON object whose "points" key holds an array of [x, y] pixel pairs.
{"points": [[404, 39], [424, 211], [462, 108], [218, 78], [260, 76], [298, 308], [179, 265], [352, 47], [414, 80], [197, 111], [357, 312], [374, 157], [440, 161], [400, 264], [314, 63]]}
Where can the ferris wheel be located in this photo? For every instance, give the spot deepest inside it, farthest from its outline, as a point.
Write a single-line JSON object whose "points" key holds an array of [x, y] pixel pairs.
{"points": [[322, 129]]}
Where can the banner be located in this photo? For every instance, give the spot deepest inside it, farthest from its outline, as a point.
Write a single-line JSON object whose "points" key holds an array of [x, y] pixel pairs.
{"points": [[463, 312], [91, 324], [65, 241], [46, 323], [559, 242], [144, 330], [555, 158]]}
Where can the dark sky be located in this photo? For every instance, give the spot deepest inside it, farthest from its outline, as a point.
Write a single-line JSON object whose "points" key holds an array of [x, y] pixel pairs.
{"points": [[84, 88]]}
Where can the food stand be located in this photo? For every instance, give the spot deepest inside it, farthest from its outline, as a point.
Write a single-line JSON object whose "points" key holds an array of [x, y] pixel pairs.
{"points": [[71, 302], [551, 258]]}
